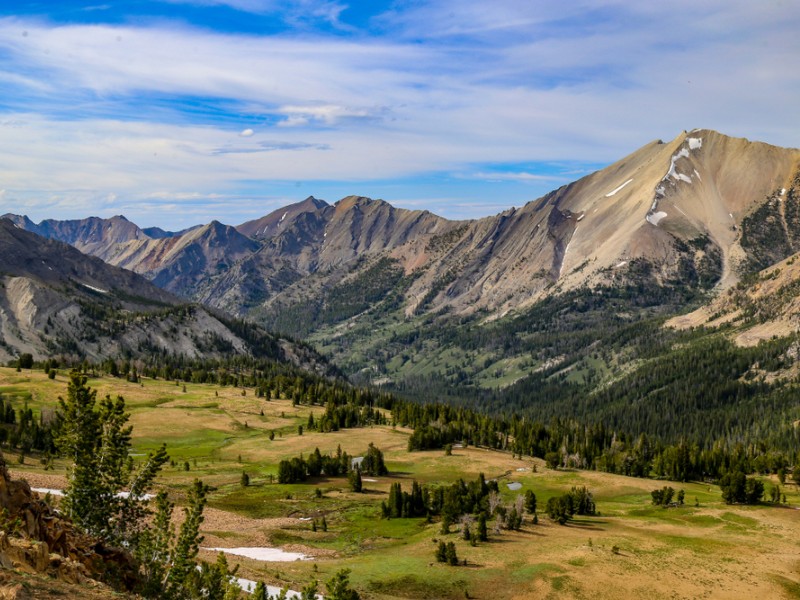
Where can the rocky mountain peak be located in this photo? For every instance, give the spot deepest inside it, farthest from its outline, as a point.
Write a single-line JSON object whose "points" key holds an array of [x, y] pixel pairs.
{"points": [[279, 220]]}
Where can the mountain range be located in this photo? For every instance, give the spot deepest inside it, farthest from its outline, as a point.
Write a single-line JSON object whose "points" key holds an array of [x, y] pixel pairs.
{"points": [[696, 189], [360, 276], [55, 300]]}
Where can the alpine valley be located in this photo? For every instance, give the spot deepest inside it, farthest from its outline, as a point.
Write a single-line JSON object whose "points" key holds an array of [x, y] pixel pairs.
{"points": [[639, 323], [407, 299]]}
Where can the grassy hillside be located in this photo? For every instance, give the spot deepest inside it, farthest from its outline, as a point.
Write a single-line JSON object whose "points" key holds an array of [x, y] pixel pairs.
{"points": [[631, 549]]}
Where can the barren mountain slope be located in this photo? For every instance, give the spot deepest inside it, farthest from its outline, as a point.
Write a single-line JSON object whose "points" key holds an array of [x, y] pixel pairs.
{"points": [[761, 307], [272, 224], [175, 261], [93, 235], [696, 188], [54, 300]]}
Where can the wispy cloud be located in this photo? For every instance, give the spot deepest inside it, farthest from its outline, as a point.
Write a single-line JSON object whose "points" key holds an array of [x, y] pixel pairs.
{"points": [[268, 147], [423, 90], [518, 176], [291, 11], [328, 114]]}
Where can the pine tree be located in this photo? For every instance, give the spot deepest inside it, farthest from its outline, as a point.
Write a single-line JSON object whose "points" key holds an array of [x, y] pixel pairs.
{"points": [[446, 522], [259, 592], [98, 442], [452, 558], [339, 588], [530, 502], [355, 480], [212, 581], [483, 534], [187, 545], [441, 552], [310, 591], [373, 462]]}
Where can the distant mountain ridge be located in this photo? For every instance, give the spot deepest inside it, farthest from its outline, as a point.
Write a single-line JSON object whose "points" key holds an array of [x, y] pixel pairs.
{"points": [[55, 300]]}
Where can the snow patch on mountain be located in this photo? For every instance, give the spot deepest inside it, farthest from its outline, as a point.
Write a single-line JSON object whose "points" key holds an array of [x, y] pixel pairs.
{"points": [[94, 289], [655, 218], [615, 190]]}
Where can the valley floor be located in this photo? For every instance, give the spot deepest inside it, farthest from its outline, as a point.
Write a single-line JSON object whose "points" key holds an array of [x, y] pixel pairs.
{"points": [[704, 549]]}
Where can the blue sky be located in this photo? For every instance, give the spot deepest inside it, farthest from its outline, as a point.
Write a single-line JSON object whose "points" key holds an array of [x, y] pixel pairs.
{"points": [[176, 112]]}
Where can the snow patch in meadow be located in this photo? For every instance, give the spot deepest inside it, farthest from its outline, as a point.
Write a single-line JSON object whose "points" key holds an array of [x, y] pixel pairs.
{"points": [[655, 218], [514, 486], [695, 143], [263, 553], [50, 491], [615, 190], [55, 492], [248, 585]]}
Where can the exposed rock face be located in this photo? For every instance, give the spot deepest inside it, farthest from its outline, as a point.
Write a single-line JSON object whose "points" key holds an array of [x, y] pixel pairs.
{"points": [[277, 221], [57, 264], [766, 306], [36, 539], [55, 300]]}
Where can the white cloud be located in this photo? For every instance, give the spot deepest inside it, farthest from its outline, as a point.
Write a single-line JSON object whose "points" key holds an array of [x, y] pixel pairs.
{"points": [[251, 6], [445, 86], [513, 176], [327, 114]]}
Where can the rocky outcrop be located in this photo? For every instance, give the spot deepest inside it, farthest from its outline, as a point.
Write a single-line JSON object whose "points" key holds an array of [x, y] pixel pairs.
{"points": [[37, 539]]}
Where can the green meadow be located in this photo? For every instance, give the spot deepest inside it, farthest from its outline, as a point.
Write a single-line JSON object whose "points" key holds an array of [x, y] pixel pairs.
{"points": [[631, 549]]}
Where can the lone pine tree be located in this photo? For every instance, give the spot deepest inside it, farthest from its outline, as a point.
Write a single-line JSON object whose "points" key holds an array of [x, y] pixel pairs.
{"points": [[97, 439]]}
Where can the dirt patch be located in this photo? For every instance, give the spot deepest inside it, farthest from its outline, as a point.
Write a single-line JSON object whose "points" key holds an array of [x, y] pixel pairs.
{"points": [[41, 480]]}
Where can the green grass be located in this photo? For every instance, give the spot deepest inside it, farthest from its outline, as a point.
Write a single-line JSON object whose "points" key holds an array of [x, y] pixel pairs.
{"points": [[182, 445], [394, 558], [791, 588]]}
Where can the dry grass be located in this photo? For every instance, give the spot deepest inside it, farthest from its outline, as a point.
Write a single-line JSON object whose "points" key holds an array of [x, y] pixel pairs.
{"points": [[709, 551]]}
